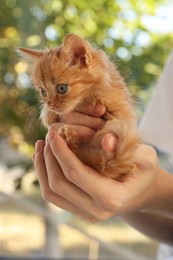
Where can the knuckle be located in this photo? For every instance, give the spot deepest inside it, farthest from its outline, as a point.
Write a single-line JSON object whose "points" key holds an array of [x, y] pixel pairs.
{"points": [[150, 159], [70, 174], [52, 185], [103, 215], [46, 195], [110, 203], [90, 218], [55, 187]]}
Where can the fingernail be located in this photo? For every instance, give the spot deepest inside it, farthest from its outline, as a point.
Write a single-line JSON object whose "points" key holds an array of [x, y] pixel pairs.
{"points": [[47, 139], [99, 109], [112, 143], [38, 147], [51, 136]]}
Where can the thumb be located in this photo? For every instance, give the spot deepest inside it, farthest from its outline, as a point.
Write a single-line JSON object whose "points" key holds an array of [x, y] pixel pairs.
{"points": [[65, 157], [109, 143]]}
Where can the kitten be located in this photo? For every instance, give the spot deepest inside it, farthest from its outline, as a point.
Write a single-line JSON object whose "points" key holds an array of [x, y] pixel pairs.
{"points": [[74, 75]]}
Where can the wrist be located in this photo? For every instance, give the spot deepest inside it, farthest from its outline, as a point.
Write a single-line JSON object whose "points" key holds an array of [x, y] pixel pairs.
{"points": [[160, 195]]}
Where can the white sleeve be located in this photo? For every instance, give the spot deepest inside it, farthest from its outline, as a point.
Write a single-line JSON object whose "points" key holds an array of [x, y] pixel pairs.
{"points": [[156, 127]]}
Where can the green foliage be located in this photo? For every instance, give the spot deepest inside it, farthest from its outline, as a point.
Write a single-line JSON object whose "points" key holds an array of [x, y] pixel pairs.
{"points": [[116, 26]]}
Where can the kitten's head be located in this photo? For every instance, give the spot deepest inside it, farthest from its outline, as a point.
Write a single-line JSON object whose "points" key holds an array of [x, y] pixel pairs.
{"points": [[65, 75]]}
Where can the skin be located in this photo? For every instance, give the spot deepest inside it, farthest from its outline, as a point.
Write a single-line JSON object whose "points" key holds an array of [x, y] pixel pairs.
{"points": [[143, 200]]}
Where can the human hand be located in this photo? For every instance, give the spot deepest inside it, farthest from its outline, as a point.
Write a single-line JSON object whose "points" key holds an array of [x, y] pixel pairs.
{"points": [[69, 184], [84, 122]]}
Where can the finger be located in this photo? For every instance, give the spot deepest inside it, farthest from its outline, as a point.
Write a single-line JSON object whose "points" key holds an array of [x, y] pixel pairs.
{"points": [[47, 193], [82, 132], [96, 111], [79, 174], [109, 143], [75, 118], [109, 195], [67, 190], [39, 146]]}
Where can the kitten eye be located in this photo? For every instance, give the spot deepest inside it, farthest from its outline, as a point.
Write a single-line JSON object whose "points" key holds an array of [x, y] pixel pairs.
{"points": [[42, 92], [62, 88]]}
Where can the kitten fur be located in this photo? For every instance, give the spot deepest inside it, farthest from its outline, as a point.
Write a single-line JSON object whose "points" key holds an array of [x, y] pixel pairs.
{"points": [[90, 78]]}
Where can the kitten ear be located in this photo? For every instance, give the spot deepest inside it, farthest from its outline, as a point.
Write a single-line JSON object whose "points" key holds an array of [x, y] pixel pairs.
{"points": [[77, 49], [30, 53]]}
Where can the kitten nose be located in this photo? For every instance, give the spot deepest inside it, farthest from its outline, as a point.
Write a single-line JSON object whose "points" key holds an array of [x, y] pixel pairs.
{"points": [[51, 104]]}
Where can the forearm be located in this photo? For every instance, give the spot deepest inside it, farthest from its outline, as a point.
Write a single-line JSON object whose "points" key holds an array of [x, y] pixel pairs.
{"points": [[155, 219], [153, 225]]}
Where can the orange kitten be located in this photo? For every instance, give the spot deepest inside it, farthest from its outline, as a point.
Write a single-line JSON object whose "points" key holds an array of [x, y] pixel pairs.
{"points": [[74, 75]]}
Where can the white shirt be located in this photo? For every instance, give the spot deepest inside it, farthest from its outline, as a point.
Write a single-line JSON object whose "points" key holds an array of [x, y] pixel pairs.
{"points": [[156, 126]]}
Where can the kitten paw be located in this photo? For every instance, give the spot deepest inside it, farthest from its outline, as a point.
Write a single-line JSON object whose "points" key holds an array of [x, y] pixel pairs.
{"points": [[68, 134]]}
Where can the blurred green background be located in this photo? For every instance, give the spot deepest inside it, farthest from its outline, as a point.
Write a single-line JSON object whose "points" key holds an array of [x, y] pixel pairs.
{"points": [[137, 36]]}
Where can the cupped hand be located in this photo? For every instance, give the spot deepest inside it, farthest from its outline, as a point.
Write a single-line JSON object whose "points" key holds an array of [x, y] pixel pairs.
{"points": [[69, 184]]}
